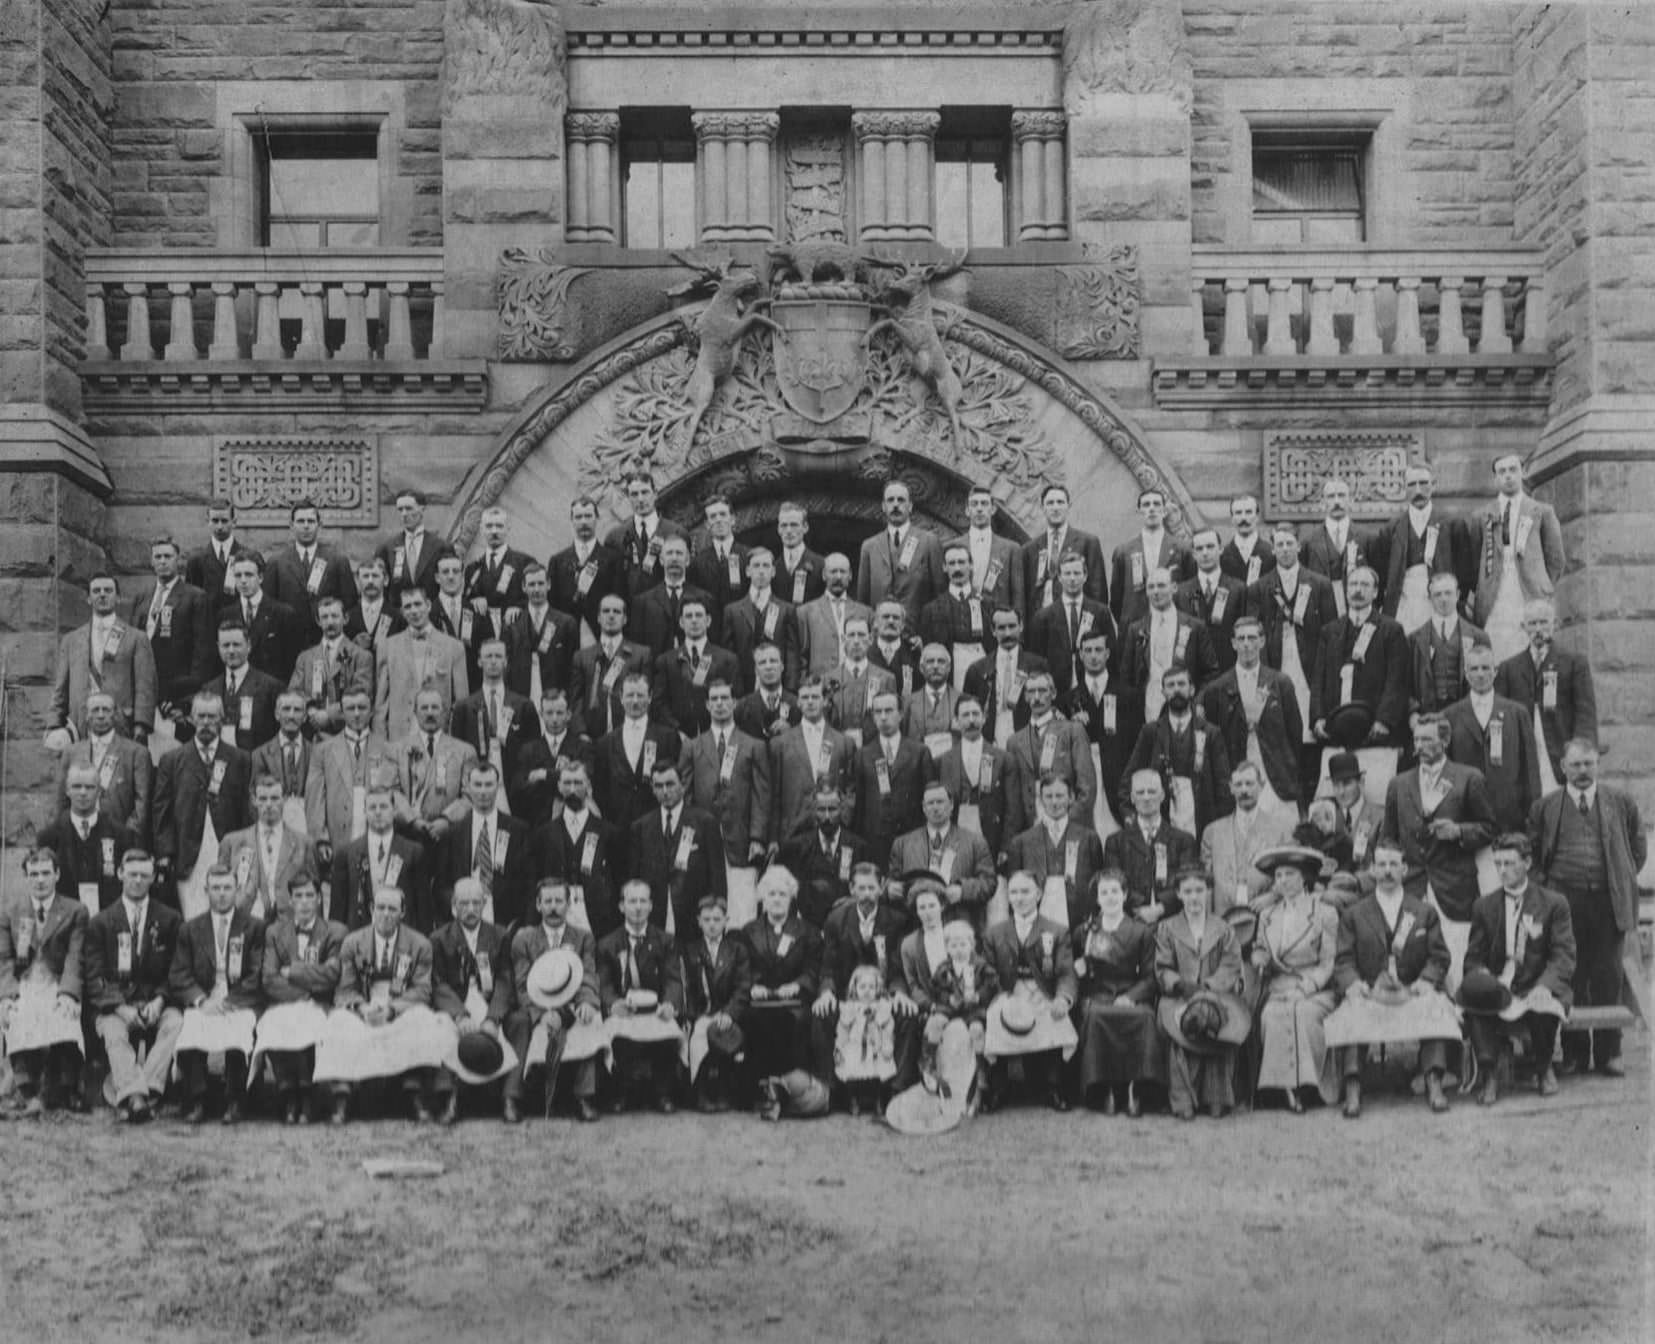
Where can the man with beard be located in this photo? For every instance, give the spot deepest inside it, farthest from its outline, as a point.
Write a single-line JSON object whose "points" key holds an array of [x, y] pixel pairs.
{"points": [[578, 850]]}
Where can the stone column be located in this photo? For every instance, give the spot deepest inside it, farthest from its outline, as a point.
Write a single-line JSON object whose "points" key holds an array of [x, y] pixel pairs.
{"points": [[736, 155], [1040, 203], [592, 144], [898, 167]]}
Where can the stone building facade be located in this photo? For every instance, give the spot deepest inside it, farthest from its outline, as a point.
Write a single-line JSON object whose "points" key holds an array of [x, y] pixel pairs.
{"points": [[1217, 245]]}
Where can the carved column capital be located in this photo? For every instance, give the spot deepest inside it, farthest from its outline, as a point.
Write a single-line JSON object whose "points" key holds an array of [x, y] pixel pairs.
{"points": [[604, 127], [746, 126], [1037, 123], [895, 125]]}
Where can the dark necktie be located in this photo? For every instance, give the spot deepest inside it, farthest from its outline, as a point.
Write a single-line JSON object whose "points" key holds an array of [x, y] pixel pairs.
{"points": [[1505, 523], [290, 766], [1585, 807]]}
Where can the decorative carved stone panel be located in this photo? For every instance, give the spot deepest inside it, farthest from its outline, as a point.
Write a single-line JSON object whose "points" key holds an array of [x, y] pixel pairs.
{"points": [[1097, 307], [265, 477], [1126, 46], [1375, 462], [504, 48], [814, 169], [536, 322]]}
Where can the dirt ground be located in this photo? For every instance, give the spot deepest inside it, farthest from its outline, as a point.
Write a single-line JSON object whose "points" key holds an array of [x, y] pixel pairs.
{"points": [[1526, 1223]]}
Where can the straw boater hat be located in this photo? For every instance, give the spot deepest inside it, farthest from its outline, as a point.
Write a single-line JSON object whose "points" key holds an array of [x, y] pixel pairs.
{"points": [[643, 1000], [555, 978]]}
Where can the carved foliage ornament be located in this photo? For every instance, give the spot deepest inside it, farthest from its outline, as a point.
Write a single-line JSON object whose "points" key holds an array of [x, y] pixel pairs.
{"points": [[1037, 124], [1375, 463], [506, 47], [601, 127], [533, 299], [735, 125], [895, 125], [815, 172], [1126, 46], [264, 477], [1097, 306]]}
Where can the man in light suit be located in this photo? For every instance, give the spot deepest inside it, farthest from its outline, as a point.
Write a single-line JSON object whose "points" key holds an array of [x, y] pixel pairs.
{"points": [[996, 562], [1335, 546], [1048, 744], [822, 620], [286, 757], [585, 572], [105, 654], [928, 711], [329, 668], [302, 573], [341, 768], [1043, 556], [809, 753], [1132, 564], [727, 775], [1519, 557], [123, 768], [961, 858], [411, 661], [1554, 687], [266, 856], [180, 622], [800, 577], [596, 672], [903, 562], [1230, 844], [201, 783], [430, 772], [1494, 735]]}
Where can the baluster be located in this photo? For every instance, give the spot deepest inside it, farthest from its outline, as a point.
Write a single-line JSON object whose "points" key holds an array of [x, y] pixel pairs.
{"points": [[1409, 340], [137, 345], [312, 315], [1534, 316], [1278, 331], [1364, 337], [399, 339], [356, 321], [180, 345], [267, 320], [1238, 339], [437, 346], [1450, 325], [226, 343], [1198, 317], [1495, 338], [1321, 340], [97, 322]]}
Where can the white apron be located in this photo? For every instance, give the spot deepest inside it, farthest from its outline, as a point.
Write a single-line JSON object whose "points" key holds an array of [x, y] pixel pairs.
{"points": [[289, 1026], [1505, 618], [1413, 608], [192, 890], [351, 1050], [37, 1022], [741, 896], [217, 1033]]}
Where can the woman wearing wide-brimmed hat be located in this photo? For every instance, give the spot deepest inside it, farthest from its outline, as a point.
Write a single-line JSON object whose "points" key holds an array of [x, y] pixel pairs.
{"points": [[1115, 964], [1198, 969], [1297, 941]]}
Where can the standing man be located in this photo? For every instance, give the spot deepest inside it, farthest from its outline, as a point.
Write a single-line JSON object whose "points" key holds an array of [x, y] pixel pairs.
{"points": [[1256, 712], [1150, 853], [275, 631], [996, 561], [427, 775], [727, 775], [376, 859], [656, 614], [1057, 630], [495, 720], [889, 783], [1492, 734], [1335, 546], [533, 785], [209, 568], [329, 668], [410, 558], [106, 654], [1188, 754], [678, 851], [821, 857], [682, 675], [1048, 745], [928, 713], [1132, 564], [975, 773], [585, 572], [597, 670], [854, 684], [489, 845], [1520, 557], [1555, 689], [1364, 819], [263, 859], [1212, 597], [896, 647], [1042, 555], [286, 756], [1231, 844], [1248, 555], [541, 642], [624, 758], [958, 619], [178, 619], [809, 755], [203, 791], [1417, 545], [801, 578], [639, 542], [767, 710], [999, 681], [580, 850], [302, 573], [718, 567], [1163, 637], [1364, 661], [903, 562], [1061, 854], [1295, 606], [336, 789], [494, 580], [249, 695], [87, 844], [418, 658], [822, 619], [959, 857], [761, 618], [1111, 722], [453, 616], [121, 771], [1438, 649], [373, 619], [1589, 844]]}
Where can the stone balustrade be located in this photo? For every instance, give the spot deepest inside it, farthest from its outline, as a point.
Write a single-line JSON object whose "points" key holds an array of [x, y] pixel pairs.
{"points": [[1283, 322], [286, 324]]}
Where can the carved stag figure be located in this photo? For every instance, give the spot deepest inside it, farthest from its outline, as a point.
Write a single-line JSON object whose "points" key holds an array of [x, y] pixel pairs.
{"points": [[721, 327], [910, 315]]}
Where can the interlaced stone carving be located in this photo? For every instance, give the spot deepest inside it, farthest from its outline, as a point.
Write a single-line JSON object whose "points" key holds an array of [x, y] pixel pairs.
{"points": [[265, 477], [1374, 462]]}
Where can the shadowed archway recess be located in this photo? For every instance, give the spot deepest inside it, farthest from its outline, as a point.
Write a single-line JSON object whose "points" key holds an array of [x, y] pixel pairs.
{"points": [[1025, 423]]}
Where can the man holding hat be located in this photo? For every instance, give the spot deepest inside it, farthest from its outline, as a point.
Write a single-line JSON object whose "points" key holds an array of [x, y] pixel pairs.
{"points": [[1518, 969], [300, 975], [555, 974], [641, 986], [1390, 967], [1034, 962], [718, 977], [960, 857], [1198, 967], [471, 984], [1359, 700], [1188, 754]]}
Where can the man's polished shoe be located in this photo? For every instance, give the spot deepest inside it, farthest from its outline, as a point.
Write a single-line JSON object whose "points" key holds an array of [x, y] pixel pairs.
{"points": [[451, 1109], [509, 1111], [665, 1105], [704, 1104], [33, 1109], [1134, 1107], [1491, 1089], [587, 1112], [1570, 1067], [616, 1106], [1057, 1101], [139, 1112], [1612, 1068], [232, 1114], [195, 1115], [1548, 1084], [1353, 1099]]}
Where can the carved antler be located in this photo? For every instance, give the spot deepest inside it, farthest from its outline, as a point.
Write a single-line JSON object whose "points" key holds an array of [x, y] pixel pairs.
{"points": [[704, 275]]}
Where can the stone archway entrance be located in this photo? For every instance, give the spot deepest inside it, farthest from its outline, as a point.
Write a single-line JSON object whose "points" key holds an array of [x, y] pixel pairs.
{"points": [[1022, 423]]}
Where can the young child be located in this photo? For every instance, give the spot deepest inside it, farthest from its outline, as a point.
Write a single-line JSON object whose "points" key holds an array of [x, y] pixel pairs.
{"points": [[961, 990], [864, 1053]]}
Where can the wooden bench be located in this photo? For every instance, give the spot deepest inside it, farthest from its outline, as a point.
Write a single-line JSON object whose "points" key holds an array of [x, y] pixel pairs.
{"points": [[1631, 1009]]}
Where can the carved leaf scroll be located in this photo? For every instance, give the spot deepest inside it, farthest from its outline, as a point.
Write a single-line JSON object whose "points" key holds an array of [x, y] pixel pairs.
{"points": [[533, 301]]}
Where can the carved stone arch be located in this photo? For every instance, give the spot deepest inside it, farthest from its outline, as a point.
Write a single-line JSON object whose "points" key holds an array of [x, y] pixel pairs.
{"points": [[1026, 424]]}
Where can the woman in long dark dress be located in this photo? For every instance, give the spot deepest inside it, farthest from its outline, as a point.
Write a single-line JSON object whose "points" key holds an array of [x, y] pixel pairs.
{"points": [[1115, 963]]}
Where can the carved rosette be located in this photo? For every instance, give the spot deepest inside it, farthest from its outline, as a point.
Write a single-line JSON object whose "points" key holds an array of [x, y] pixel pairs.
{"points": [[897, 151], [532, 293], [1136, 47], [1098, 306], [504, 48]]}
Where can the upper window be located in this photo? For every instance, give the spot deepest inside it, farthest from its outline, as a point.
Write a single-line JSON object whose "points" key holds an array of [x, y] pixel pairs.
{"points": [[971, 177], [320, 189], [658, 178], [1309, 187]]}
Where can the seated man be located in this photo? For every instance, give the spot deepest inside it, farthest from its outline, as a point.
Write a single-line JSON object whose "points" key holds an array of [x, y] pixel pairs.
{"points": [[1062, 855], [539, 1026], [382, 1025], [215, 983], [301, 973], [718, 977], [471, 985], [1390, 966], [1519, 969], [1034, 963], [41, 939], [641, 986], [1198, 967], [960, 857], [786, 956], [129, 949]]}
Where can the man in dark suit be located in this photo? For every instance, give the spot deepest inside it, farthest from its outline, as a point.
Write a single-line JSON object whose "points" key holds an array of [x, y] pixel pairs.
{"points": [[248, 695], [623, 760], [1363, 659], [821, 856], [453, 616], [727, 774], [209, 568], [1132, 563], [494, 580], [1554, 687], [957, 855], [1109, 719], [1335, 546], [471, 983], [718, 977], [959, 618], [180, 621], [410, 558], [597, 669], [374, 618], [87, 845], [641, 958], [1031, 947], [1048, 745], [761, 618], [128, 955], [678, 850], [807, 754], [1438, 649], [1043, 555], [217, 969], [123, 770], [286, 757], [201, 782], [656, 614], [494, 719], [585, 572], [1189, 755], [1255, 710], [583, 852], [377, 858], [491, 846], [768, 710], [801, 573], [1295, 606], [1000, 679], [978, 778], [1247, 555], [1589, 843], [42, 939], [1522, 936], [541, 642], [997, 574], [1057, 630], [301, 966], [302, 573], [1494, 735], [532, 785], [682, 675], [1150, 853], [895, 648], [902, 562], [853, 685], [275, 631], [890, 779], [1059, 851], [1162, 638], [641, 542], [1212, 597], [1415, 546], [719, 566], [553, 930]]}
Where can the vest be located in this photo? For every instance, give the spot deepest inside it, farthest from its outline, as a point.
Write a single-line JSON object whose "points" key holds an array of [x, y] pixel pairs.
{"points": [[1445, 665], [1577, 866]]}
